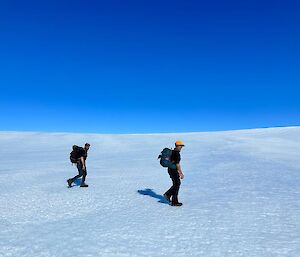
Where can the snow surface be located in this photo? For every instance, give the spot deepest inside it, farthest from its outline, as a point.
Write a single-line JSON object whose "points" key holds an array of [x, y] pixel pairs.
{"points": [[241, 195]]}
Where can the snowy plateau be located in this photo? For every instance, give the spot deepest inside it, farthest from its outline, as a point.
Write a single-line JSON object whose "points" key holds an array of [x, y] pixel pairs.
{"points": [[240, 195]]}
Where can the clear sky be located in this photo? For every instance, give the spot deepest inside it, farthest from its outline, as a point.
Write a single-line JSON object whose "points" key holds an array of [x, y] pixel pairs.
{"points": [[148, 66]]}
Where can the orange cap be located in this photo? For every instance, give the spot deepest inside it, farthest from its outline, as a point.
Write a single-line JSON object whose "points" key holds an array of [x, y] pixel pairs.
{"points": [[179, 143]]}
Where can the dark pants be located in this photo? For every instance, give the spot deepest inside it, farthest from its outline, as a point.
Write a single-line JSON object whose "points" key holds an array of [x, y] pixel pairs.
{"points": [[174, 189], [81, 173]]}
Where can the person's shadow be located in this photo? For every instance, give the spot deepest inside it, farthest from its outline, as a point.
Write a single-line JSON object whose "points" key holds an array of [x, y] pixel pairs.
{"points": [[151, 193], [77, 182]]}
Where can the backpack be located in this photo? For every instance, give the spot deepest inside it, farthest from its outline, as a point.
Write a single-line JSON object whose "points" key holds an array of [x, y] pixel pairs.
{"points": [[76, 153], [165, 159]]}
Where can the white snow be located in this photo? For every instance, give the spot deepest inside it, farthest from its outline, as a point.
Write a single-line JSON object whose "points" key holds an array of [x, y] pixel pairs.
{"points": [[241, 195]]}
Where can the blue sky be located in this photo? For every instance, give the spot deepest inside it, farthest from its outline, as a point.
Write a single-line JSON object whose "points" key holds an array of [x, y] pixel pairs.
{"points": [[148, 66]]}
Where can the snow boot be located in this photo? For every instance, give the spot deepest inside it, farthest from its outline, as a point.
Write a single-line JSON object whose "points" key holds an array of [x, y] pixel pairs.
{"points": [[84, 185], [176, 204], [70, 182], [168, 198]]}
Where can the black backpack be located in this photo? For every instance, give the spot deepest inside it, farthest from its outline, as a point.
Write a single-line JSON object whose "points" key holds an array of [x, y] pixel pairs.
{"points": [[76, 153], [165, 159]]}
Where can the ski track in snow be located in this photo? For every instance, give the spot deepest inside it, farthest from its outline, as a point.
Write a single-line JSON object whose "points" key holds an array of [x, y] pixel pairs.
{"points": [[241, 195]]}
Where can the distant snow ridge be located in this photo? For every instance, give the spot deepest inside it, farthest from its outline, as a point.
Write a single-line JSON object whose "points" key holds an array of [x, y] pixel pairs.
{"points": [[241, 195]]}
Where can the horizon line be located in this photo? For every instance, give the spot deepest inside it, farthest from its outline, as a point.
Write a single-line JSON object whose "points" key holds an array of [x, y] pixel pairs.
{"points": [[155, 133]]}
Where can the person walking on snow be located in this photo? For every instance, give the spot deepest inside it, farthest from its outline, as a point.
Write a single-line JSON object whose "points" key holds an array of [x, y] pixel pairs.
{"points": [[175, 174], [79, 156]]}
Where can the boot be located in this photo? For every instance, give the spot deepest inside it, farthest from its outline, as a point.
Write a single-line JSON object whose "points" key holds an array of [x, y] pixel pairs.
{"points": [[70, 182], [84, 185], [176, 204], [168, 198]]}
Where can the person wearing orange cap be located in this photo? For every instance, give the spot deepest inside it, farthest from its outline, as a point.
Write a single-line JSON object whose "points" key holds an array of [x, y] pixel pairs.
{"points": [[175, 174]]}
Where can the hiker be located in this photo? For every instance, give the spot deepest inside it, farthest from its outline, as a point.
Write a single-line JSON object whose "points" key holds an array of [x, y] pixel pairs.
{"points": [[176, 174], [78, 156]]}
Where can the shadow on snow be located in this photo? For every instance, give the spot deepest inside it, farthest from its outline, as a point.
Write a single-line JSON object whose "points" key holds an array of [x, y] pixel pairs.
{"points": [[151, 193], [77, 182]]}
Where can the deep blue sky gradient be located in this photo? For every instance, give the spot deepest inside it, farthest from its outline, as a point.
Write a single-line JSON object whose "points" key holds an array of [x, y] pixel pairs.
{"points": [[149, 66]]}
